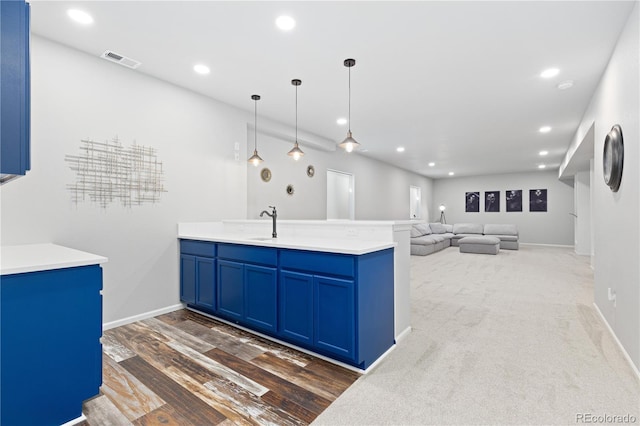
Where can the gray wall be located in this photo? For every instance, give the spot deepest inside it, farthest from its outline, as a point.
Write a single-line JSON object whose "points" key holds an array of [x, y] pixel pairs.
{"points": [[553, 227], [77, 96], [381, 190], [616, 216]]}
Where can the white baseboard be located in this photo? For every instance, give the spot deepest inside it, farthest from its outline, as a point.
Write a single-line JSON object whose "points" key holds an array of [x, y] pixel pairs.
{"points": [[403, 334], [75, 421], [145, 315], [624, 352], [547, 245]]}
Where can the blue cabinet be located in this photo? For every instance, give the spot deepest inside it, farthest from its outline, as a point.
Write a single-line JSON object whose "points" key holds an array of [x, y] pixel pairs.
{"points": [[247, 285], [51, 324], [198, 274], [337, 305], [334, 316], [296, 307], [14, 89]]}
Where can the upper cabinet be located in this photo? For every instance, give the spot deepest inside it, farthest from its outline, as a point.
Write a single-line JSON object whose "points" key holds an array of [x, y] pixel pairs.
{"points": [[15, 115]]}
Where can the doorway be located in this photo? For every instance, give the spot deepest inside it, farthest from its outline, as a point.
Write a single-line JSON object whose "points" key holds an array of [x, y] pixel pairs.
{"points": [[340, 195]]}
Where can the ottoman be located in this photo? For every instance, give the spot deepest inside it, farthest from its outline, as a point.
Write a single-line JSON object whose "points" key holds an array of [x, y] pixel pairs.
{"points": [[480, 244]]}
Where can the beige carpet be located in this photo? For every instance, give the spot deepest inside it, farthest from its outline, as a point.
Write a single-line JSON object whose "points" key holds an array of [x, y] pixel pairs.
{"points": [[508, 339]]}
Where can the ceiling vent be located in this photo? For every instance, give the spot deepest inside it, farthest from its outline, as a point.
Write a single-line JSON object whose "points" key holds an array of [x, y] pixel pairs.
{"points": [[119, 59]]}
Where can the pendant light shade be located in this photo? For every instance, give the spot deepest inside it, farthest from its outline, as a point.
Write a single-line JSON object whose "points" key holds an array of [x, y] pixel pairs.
{"points": [[349, 143], [255, 158], [296, 152]]}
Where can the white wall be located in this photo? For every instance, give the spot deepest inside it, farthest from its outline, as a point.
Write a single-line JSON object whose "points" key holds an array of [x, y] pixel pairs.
{"points": [[616, 216], [553, 227], [381, 190], [77, 96]]}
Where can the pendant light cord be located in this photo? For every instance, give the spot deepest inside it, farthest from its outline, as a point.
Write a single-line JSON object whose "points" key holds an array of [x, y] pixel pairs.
{"points": [[296, 114], [349, 99], [255, 132]]}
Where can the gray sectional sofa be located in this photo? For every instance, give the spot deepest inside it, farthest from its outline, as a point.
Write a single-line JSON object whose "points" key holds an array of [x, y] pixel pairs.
{"points": [[427, 238]]}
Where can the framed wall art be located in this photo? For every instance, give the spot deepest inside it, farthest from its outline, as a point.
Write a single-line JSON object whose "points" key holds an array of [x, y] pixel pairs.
{"points": [[472, 202], [537, 200], [492, 201], [514, 200]]}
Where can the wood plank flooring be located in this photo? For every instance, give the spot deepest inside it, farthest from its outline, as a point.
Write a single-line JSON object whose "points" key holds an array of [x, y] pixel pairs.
{"points": [[186, 369]]}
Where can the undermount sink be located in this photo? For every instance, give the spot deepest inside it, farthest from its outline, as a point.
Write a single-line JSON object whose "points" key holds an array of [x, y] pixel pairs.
{"points": [[262, 238]]}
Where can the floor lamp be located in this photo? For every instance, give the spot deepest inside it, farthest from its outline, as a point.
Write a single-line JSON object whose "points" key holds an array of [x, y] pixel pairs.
{"points": [[443, 218]]}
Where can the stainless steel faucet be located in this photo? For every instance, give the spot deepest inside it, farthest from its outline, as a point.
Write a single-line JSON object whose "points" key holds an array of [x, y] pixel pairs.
{"points": [[273, 215]]}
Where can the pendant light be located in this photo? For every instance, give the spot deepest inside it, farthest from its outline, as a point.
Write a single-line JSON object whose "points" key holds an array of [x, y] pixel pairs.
{"points": [[255, 158], [349, 143], [296, 152]]}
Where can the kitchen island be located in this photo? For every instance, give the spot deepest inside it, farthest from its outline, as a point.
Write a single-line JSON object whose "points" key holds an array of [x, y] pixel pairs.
{"points": [[331, 296], [51, 324]]}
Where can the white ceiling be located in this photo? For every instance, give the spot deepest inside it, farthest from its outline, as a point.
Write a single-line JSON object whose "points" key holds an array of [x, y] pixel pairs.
{"points": [[456, 83]]}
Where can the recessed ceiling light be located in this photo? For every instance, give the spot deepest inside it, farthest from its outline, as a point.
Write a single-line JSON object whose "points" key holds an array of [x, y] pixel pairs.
{"points": [[564, 85], [285, 23], [201, 69], [544, 129], [400, 149], [341, 121], [451, 173], [80, 16], [549, 73], [541, 166], [432, 164], [543, 153]]}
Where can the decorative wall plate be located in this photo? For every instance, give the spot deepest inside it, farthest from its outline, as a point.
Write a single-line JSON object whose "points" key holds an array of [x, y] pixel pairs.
{"points": [[613, 158], [290, 189], [265, 174], [311, 171]]}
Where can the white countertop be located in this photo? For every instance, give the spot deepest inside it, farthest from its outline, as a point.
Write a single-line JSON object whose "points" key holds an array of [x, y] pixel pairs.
{"points": [[331, 245], [43, 257]]}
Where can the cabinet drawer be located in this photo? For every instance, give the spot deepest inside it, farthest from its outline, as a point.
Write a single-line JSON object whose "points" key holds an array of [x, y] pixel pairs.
{"points": [[318, 262], [198, 248], [248, 254]]}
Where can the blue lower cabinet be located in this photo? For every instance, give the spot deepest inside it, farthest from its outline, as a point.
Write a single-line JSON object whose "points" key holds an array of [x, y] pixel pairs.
{"points": [[261, 297], [334, 316], [338, 305], [206, 287], [231, 289], [50, 328], [247, 294], [296, 307], [188, 278], [198, 281], [198, 274]]}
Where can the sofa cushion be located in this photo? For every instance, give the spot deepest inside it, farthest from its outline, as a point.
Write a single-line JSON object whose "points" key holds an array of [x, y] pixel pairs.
{"points": [[419, 230], [437, 228], [500, 230], [424, 228], [448, 227], [426, 240], [467, 228]]}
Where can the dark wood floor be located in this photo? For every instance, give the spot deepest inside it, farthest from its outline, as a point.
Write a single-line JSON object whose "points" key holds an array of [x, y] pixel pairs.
{"points": [[186, 369]]}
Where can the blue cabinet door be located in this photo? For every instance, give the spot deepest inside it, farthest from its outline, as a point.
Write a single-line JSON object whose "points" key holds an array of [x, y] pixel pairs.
{"points": [[14, 88], [206, 283], [296, 307], [231, 289], [188, 278], [334, 316], [261, 297]]}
